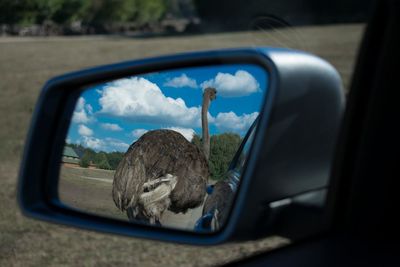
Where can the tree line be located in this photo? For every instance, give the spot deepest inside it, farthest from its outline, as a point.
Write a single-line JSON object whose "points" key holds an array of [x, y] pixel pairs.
{"points": [[112, 16], [222, 150], [99, 16], [102, 160]]}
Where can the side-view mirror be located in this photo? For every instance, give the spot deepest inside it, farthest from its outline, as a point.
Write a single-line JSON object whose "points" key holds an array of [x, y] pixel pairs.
{"points": [[197, 148]]}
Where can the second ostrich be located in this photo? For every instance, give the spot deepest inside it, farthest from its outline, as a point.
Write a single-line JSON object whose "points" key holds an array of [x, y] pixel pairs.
{"points": [[162, 170]]}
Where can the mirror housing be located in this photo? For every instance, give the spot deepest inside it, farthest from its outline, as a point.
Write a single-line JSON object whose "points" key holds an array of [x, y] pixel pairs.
{"points": [[284, 185]]}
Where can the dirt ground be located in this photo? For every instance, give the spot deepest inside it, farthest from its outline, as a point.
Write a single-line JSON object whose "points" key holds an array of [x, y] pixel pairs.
{"points": [[89, 190], [25, 65]]}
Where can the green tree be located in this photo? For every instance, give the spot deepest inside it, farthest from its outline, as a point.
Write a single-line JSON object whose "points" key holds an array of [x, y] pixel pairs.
{"points": [[70, 11], [101, 161], [97, 13], [151, 10], [45, 9], [27, 12], [222, 150], [114, 159], [23, 12], [87, 158]]}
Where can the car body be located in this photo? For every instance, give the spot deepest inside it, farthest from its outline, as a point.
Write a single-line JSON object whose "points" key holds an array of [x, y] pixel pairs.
{"points": [[220, 195]]}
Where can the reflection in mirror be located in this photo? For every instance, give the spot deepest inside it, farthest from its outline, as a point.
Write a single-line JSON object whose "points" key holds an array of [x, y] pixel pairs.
{"points": [[165, 148]]}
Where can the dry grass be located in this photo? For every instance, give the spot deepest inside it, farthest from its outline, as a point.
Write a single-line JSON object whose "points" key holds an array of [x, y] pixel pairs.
{"points": [[76, 189], [26, 63]]}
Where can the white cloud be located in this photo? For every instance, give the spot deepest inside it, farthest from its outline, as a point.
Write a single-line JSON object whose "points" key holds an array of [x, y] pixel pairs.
{"points": [[113, 144], [186, 132], [84, 130], [80, 115], [138, 133], [111, 127], [228, 85], [230, 122], [81, 103], [92, 142], [107, 144], [142, 101], [89, 109], [181, 81]]}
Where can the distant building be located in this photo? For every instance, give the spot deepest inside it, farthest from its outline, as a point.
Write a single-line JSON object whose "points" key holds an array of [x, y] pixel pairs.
{"points": [[70, 157]]}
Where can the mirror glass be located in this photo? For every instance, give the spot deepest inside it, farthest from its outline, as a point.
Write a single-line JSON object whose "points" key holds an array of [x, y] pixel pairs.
{"points": [[164, 148]]}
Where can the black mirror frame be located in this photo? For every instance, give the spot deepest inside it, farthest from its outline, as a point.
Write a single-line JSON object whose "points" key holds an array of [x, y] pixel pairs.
{"points": [[251, 217]]}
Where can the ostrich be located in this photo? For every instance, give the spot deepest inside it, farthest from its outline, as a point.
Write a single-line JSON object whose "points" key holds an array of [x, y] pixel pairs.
{"points": [[162, 170]]}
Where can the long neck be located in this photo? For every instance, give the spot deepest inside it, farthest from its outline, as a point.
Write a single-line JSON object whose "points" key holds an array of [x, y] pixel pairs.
{"points": [[204, 125]]}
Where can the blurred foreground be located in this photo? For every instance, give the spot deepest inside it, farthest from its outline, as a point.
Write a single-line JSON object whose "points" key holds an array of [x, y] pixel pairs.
{"points": [[25, 65]]}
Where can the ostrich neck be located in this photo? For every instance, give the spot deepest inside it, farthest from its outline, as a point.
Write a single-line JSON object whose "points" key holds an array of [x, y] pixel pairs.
{"points": [[204, 125]]}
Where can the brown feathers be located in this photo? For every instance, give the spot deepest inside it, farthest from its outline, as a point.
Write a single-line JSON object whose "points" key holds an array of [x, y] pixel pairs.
{"points": [[156, 154]]}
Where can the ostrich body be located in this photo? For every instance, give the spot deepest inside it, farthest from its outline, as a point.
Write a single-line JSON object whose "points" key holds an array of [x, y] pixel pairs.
{"points": [[162, 170]]}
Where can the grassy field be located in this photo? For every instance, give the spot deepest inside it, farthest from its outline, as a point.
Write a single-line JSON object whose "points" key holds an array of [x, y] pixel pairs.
{"points": [[26, 63], [88, 190]]}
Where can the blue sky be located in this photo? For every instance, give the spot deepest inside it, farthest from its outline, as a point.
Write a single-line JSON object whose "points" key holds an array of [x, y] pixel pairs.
{"points": [[113, 115]]}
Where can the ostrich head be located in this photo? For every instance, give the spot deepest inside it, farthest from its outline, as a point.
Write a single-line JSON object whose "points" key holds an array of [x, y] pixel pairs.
{"points": [[209, 95]]}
